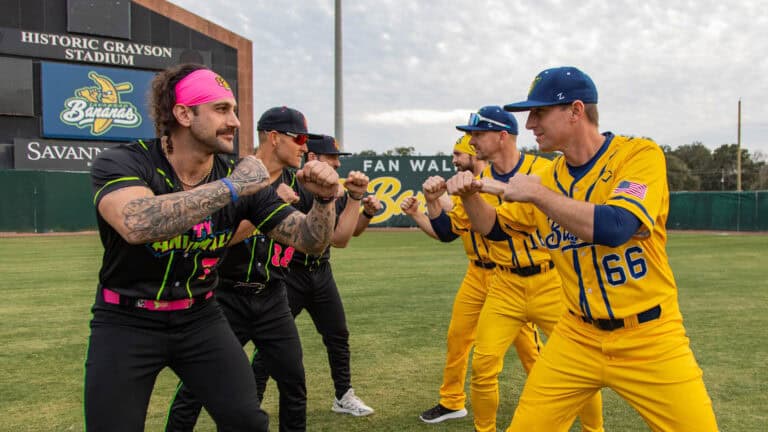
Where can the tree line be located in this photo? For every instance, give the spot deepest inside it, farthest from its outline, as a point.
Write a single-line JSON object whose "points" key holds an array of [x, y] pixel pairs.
{"points": [[690, 167]]}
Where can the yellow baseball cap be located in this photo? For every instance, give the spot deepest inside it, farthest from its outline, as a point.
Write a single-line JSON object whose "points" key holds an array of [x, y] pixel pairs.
{"points": [[462, 145]]}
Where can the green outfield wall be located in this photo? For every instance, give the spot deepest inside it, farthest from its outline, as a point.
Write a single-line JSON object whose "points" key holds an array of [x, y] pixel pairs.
{"points": [[48, 201]]}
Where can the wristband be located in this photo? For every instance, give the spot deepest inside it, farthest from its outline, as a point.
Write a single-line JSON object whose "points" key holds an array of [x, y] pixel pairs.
{"points": [[322, 200], [365, 213], [232, 189], [355, 197]]}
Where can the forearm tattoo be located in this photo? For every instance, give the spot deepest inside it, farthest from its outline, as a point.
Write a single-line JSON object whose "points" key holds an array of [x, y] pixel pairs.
{"points": [[310, 233], [247, 173], [165, 216]]}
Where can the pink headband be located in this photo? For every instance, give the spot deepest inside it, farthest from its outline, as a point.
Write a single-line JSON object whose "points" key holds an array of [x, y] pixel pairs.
{"points": [[202, 86]]}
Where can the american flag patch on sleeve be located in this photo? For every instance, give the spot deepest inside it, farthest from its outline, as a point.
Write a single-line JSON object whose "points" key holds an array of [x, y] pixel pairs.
{"points": [[631, 188]]}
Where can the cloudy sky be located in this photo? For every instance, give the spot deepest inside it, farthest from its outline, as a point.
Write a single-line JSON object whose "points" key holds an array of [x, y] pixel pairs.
{"points": [[672, 71]]}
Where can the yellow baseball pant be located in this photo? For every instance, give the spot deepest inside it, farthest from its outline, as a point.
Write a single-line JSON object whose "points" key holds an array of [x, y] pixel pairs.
{"points": [[461, 335], [651, 366], [512, 302]]}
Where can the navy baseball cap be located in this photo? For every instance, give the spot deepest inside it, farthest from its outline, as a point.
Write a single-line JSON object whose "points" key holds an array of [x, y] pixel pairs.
{"points": [[557, 86], [324, 144], [490, 118], [284, 119]]}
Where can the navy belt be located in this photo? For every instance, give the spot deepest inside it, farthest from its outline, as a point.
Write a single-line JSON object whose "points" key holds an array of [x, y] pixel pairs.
{"points": [[483, 264], [530, 270], [609, 324]]}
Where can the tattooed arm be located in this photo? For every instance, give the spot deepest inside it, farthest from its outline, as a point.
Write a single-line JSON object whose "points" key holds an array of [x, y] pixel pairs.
{"points": [[310, 233], [140, 216]]}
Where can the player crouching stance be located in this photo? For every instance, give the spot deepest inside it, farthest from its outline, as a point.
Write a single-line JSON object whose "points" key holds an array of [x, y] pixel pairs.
{"points": [[166, 210], [601, 210]]}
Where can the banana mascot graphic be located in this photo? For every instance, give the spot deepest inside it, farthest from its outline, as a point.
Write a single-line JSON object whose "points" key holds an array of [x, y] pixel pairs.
{"points": [[105, 92]]}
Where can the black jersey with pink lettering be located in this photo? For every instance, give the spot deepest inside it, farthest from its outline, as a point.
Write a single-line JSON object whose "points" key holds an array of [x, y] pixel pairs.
{"points": [[259, 258], [304, 205], [183, 266]]}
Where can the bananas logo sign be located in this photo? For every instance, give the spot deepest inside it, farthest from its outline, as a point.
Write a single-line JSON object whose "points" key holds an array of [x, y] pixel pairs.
{"points": [[99, 107]]}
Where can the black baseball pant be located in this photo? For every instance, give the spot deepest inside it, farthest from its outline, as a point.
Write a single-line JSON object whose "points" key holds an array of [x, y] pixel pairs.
{"points": [[128, 348], [314, 289], [265, 319]]}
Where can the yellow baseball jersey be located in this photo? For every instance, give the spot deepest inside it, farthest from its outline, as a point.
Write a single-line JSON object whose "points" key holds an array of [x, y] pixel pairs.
{"points": [[602, 281], [522, 249], [475, 245]]}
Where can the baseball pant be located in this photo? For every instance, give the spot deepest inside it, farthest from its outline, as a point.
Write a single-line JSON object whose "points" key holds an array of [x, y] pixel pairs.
{"points": [[314, 289], [128, 348], [265, 319], [650, 366], [513, 301], [461, 335]]}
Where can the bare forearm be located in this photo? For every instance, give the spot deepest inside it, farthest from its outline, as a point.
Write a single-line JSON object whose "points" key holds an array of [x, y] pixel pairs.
{"points": [[422, 221], [434, 208], [577, 217], [165, 216], [310, 233], [482, 216], [347, 224], [362, 224]]}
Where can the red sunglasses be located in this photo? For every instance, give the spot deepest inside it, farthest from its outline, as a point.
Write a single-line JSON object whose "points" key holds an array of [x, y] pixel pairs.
{"points": [[299, 139]]}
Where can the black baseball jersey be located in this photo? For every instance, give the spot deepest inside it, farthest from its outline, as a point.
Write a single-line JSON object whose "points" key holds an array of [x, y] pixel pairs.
{"points": [[183, 266], [306, 200], [261, 259]]}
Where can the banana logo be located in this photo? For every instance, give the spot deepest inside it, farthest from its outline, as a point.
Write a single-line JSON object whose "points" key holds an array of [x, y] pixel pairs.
{"points": [[100, 106], [106, 92]]}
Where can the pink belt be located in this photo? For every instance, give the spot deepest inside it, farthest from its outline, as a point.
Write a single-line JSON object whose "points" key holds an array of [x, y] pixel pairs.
{"points": [[112, 297]]}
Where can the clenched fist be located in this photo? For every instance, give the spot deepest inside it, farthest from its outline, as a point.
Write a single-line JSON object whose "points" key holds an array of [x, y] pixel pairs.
{"points": [[463, 184], [433, 188], [287, 194], [319, 178], [371, 205], [356, 184], [410, 205]]}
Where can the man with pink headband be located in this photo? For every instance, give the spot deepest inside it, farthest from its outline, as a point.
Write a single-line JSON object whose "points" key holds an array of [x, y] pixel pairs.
{"points": [[166, 211]]}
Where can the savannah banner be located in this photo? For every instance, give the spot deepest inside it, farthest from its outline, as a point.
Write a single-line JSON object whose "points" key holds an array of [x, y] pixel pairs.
{"points": [[95, 103], [393, 178], [56, 155]]}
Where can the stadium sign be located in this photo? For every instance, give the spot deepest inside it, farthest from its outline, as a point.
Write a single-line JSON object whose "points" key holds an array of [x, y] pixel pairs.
{"points": [[394, 178], [53, 155], [89, 49], [94, 103]]}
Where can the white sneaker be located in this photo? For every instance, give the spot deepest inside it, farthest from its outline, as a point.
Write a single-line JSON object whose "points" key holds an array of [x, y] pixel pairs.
{"points": [[351, 404]]}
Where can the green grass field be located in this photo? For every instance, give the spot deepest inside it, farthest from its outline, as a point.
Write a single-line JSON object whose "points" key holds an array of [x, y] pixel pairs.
{"points": [[397, 289]]}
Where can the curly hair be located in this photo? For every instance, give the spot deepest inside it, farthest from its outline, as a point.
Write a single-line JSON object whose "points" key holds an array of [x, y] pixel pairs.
{"points": [[163, 96]]}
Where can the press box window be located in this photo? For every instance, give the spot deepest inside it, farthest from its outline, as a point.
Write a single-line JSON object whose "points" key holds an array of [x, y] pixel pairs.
{"points": [[111, 18], [17, 96]]}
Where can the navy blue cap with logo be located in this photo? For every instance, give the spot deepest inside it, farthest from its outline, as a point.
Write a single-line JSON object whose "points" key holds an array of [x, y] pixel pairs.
{"points": [[284, 119], [557, 86], [490, 118], [324, 144]]}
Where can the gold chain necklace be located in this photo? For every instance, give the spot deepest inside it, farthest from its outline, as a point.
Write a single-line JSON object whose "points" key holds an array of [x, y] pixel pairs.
{"points": [[165, 143], [203, 179]]}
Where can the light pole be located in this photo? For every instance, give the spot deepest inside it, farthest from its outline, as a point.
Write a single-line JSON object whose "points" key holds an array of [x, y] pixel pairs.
{"points": [[338, 90], [738, 151]]}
